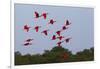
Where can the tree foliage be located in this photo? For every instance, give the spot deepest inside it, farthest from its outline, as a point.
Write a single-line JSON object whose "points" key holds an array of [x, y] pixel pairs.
{"points": [[55, 55]]}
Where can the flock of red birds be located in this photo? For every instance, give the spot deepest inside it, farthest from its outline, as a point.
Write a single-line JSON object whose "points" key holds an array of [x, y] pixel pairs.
{"points": [[45, 32]]}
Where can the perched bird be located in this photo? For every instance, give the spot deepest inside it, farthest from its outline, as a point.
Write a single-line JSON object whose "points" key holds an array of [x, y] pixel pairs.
{"points": [[67, 40], [37, 28], [51, 21], [59, 43], [53, 37], [26, 28], [67, 23], [58, 32], [45, 32], [60, 37], [44, 15], [26, 44], [28, 40], [37, 14]]}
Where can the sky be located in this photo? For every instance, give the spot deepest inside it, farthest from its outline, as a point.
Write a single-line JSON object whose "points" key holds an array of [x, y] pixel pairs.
{"points": [[81, 29]]}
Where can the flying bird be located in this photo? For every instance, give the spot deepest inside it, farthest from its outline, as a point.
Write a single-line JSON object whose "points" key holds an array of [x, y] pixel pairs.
{"points": [[67, 40], [44, 15], [53, 37], [28, 40], [26, 44], [37, 14], [67, 23], [58, 32], [60, 37], [45, 32], [64, 28], [59, 43], [37, 28], [26, 28], [51, 21]]}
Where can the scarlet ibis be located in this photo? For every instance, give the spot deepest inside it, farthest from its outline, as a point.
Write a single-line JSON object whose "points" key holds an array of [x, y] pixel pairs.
{"points": [[58, 32], [64, 28], [60, 37], [37, 14], [37, 28], [67, 23], [59, 43], [26, 44], [44, 15], [28, 40], [53, 37], [67, 40], [45, 32], [26, 28], [51, 21]]}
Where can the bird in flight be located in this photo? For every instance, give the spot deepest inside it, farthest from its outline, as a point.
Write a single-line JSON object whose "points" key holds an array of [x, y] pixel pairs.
{"points": [[53, 37], [59, 43], [26, 28], [67, 23], [28, 40], [58, 32], [37, 28], [51, 21], [26, 44], [37, 14], [64, 28], [44, 15], [45, 32], [60, 37], [67, 40]]}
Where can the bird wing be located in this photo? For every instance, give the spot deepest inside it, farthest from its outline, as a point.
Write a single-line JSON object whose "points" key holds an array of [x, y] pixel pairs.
{"points": [[36, 14]]}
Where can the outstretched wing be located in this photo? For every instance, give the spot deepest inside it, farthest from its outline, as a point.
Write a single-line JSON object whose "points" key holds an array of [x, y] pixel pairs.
{"points": [[36, 14]]}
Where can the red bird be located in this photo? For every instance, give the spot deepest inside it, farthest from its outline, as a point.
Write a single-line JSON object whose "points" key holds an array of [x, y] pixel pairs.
{"points": [[37, 14], [67, 23], [26, 44], [58, 33], [59, 44], [53, 37], [45, 32], [28, 40], [44, 15], [64, 28], [60, 37], [37, 28], [52, 21], [67, 40], [26, 28]]}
